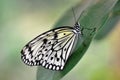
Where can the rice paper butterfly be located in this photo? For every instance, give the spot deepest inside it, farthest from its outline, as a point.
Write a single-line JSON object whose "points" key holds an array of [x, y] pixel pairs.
{"points": [[52, 48]]}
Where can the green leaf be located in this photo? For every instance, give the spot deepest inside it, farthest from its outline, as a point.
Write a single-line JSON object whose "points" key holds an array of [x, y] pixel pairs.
{"points": [[91, 14], [113, 18]]}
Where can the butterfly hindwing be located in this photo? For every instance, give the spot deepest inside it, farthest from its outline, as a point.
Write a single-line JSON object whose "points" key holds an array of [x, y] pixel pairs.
{"points": [[50, 49]]}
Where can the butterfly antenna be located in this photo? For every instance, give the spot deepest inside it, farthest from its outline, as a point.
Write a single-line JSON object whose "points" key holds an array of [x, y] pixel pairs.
{"points": [[74, 15], [77, 25]]}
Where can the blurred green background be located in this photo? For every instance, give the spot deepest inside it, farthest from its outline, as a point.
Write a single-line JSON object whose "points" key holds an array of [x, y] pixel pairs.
{"points": [[22, 20]]}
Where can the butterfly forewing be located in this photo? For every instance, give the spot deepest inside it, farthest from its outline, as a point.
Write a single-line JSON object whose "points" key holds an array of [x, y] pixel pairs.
{"points": [[50, 49]]}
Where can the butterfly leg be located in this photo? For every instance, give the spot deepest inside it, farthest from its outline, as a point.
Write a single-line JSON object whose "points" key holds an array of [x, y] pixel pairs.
{"points": [[83, 30]]}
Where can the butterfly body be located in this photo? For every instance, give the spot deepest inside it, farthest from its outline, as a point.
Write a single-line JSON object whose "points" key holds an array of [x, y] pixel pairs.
{"points": [[52, 48]]}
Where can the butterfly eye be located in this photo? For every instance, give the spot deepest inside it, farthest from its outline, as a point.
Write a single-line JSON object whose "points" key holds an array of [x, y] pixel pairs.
{"points": [[64, 34]]}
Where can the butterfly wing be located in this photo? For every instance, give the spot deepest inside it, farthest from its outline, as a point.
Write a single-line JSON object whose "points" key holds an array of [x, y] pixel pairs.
{"points": [[50, 49]]}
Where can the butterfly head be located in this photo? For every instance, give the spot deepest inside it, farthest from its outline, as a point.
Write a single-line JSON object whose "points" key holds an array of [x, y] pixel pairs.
{"points": [[77, 28]]}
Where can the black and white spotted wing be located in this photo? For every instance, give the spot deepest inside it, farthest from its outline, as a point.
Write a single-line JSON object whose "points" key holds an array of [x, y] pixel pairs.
{"points": [[50, 49]]}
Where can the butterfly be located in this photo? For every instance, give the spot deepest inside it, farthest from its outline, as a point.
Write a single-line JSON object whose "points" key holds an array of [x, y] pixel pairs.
{"points": [[52, 48]]}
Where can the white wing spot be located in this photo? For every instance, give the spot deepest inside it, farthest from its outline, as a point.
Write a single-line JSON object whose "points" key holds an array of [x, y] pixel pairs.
{"points": [[43, 64]]}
